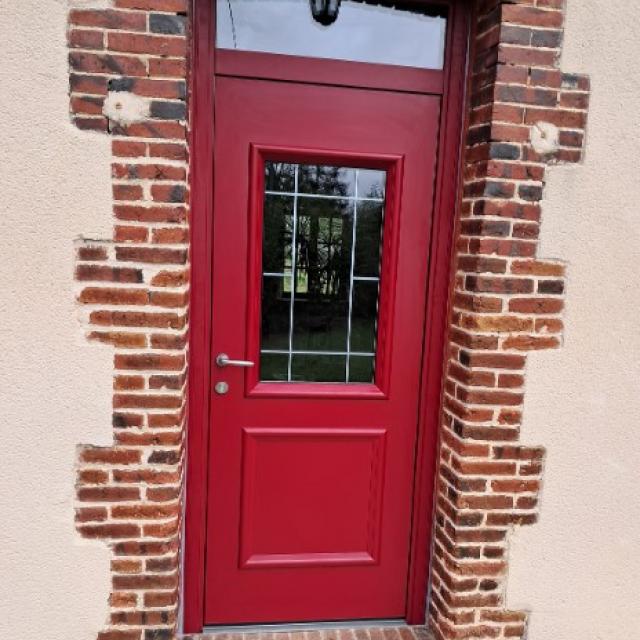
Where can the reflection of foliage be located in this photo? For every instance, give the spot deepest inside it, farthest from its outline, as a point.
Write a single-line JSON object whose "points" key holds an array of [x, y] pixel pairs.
{"points": [[323, 241], [327, 181], [375, 191], [324, 231], [279, 176], [321, 251]]}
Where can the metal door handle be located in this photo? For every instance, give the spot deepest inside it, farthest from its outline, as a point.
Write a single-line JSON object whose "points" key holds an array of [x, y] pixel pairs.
{"points": [[223, 360]]}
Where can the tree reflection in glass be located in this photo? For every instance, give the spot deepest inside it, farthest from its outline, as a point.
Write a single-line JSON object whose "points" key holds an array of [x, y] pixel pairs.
{"points": [[320, 294]]}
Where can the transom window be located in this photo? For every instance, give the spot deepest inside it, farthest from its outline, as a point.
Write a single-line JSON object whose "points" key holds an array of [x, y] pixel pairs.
{"points": [[413, 33], [321, 256]]}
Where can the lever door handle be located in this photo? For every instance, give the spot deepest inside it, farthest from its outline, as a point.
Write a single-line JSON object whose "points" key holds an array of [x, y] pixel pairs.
{"points": [[223, 360]]}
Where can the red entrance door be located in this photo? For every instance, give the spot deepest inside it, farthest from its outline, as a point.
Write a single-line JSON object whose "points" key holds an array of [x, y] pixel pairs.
{"points": [[323, 202]]}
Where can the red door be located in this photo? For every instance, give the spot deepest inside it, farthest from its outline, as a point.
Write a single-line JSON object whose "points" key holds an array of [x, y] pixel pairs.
{"points": [[323, 203]]}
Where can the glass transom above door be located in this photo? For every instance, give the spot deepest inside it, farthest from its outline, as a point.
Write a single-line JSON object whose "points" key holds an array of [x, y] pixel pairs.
{"points": [[321, 257], [413, 33]]}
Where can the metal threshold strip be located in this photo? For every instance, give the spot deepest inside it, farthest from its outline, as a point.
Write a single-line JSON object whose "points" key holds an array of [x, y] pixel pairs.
{"points": [[302, 626]]}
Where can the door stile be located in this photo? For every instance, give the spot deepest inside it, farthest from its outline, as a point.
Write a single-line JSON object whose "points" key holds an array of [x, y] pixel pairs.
{"points": [[200, 91], [439, 286]]}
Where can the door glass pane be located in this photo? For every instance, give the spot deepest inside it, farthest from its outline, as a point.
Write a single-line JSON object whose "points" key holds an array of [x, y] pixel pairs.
{"points": [[413, 33], [321, 253]]}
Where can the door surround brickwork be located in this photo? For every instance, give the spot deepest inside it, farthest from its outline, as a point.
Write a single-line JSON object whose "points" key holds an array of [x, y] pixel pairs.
{"points": [[128, 79]]}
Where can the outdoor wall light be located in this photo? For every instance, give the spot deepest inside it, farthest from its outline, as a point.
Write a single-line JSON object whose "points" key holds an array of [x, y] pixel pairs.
{"points": [[325, 11]]}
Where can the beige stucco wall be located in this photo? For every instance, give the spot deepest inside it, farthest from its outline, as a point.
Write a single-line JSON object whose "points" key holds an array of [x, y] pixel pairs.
{"points": [[578, 569], [54, 386]]}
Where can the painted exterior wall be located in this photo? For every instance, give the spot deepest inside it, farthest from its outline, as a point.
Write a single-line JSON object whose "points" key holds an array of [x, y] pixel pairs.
{"points": [[578, 566], [574, 569], [56, 394]]}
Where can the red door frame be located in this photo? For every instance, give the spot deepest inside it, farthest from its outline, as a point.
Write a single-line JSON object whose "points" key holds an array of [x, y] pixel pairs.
{"points": [[202, 87]]}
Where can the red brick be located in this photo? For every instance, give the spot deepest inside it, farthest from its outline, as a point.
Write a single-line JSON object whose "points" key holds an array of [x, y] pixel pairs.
{"points": [[152, 129], [176, 6], [503, 323], [123, 599], [168, 150], [92, 253], [107, 64], [493, 284], [523, 15], [159, 599], [160, 421], [108, 494], [473, 396], [506, 519], [175, 193], [515, 486], [537, 268], [109, 455], [149, 214], [120, 340], [493, 360], [95, 85], [144, 581], [127, 192], [151, 255], [91, 514], [123, 233], [90, 123], [514, 248], [132, 401], [138, 319], [514, 55], [561, 118], [92, 476], [162, 494], [147, 476], [170, 279], [128, 148], [510, 380], [161, 530], [145, 511], [549, 325], [126, 566], [487, 468], [163, 341], [146, 44], [536, 305], [119, 634], [166, 299], [167, 68], [148, 172], [150, 361], [85, 39], [529, 343], [109, 19], [107, 274], [128, 383], [95, 295], [113, 530]]}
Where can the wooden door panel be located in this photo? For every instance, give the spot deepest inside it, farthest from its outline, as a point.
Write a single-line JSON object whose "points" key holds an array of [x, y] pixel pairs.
{"points": [[310, 483], [333, 518]]}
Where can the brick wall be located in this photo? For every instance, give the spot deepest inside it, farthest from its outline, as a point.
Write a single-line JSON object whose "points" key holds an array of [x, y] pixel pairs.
{"points": [[128, 73], [524, 114], [129, 62]]}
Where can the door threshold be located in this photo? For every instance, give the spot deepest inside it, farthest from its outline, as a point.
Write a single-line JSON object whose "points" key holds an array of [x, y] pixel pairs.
{"points": [[303, 626]]}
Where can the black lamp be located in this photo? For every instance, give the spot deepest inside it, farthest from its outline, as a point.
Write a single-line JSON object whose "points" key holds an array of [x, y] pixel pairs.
{"points": [[325, 11]]}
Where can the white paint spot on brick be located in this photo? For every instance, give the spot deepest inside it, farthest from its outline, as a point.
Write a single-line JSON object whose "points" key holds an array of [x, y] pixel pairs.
{"points": [[124, 107], [545, 138]]}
